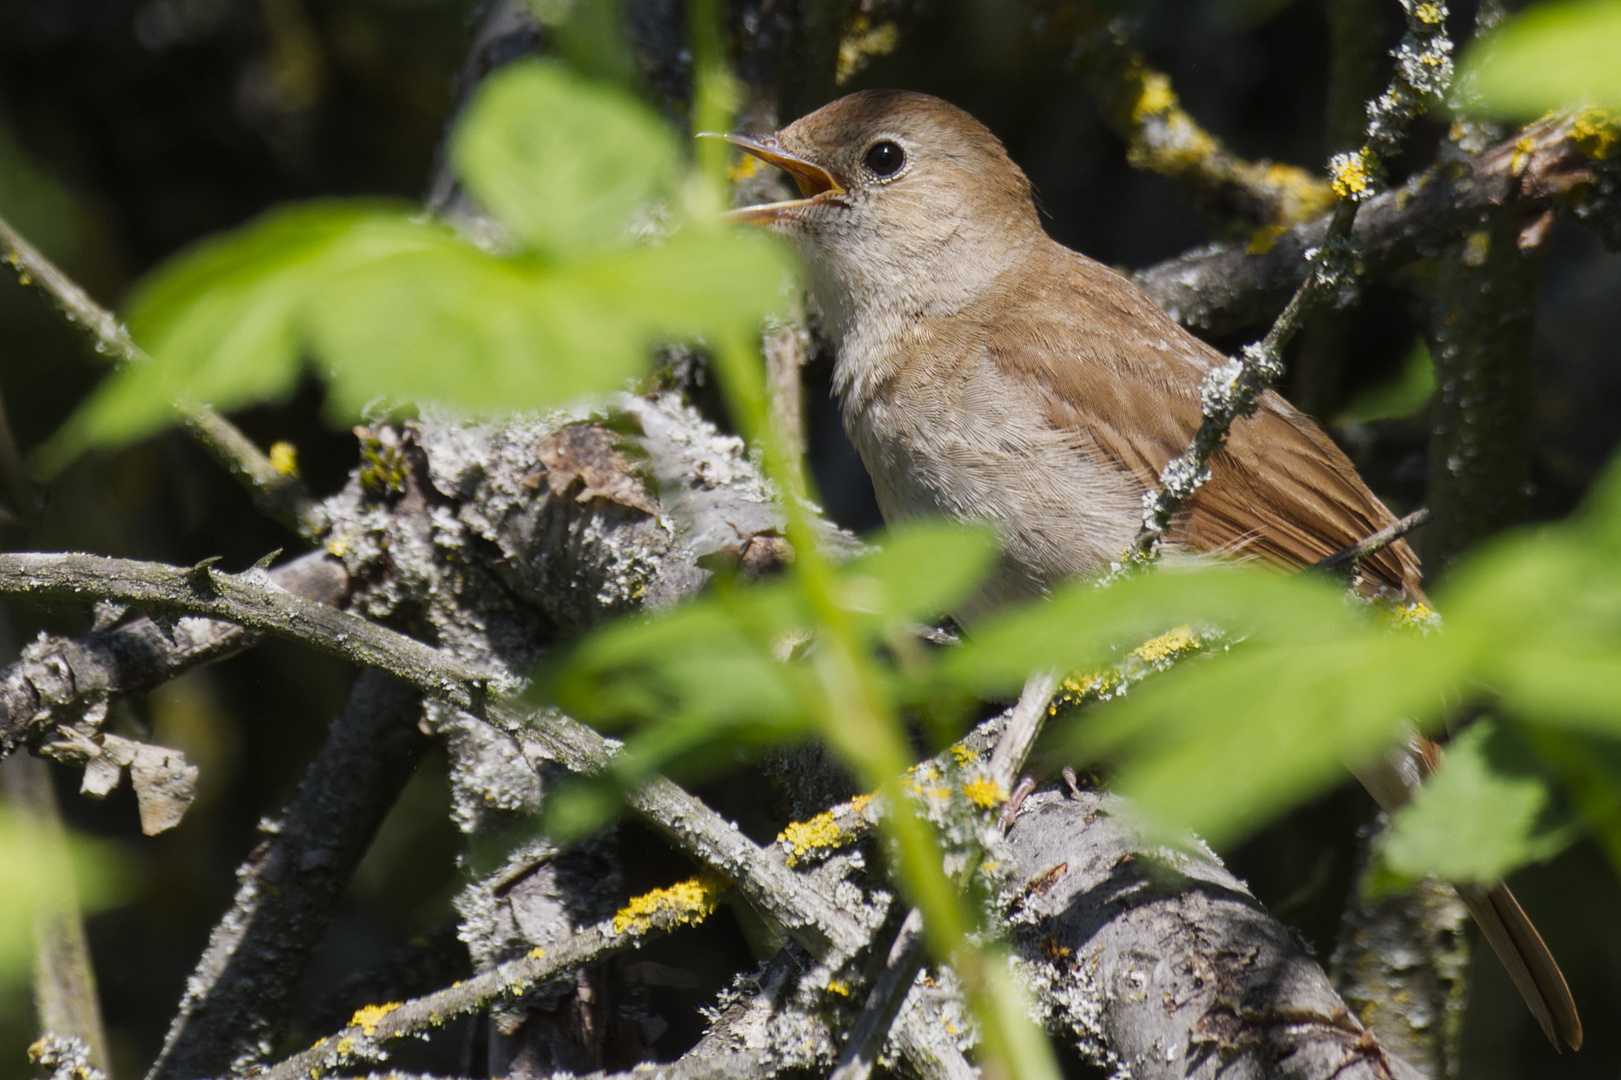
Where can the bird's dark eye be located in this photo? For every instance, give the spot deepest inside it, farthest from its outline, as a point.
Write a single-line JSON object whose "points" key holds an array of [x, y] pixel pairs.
{"points": [[885, 158]]}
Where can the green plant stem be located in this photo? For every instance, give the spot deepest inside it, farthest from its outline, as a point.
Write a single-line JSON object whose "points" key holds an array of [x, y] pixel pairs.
{"points": [[857, 721]]}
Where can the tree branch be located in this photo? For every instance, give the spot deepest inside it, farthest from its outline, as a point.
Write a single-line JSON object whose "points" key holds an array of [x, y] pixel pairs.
{"points": [[377, 1025], [1160, 963], [1226, 287], [1139, 106], [61, 680], [244, 983]]}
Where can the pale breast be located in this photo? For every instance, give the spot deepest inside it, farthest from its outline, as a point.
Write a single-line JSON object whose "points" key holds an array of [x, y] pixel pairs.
{"points": [[968, 444]]}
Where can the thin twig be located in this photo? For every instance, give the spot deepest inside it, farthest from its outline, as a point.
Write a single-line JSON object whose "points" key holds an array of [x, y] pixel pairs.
{"points": [[62, 680], [65, 1001], [1374, 542], [277, 494], [1023, 725], [376, 1025], [1233, 389], [906, 959]]}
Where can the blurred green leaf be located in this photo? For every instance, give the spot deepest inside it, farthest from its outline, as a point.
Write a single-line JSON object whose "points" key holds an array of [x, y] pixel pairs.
{"points": [[1081, 626], [223, 321], [1486, 811], [402, 310], [589, 36], [1222, 744], [34, 203], [563, 160], [1551, 56], [39, 875], [920, 570]]}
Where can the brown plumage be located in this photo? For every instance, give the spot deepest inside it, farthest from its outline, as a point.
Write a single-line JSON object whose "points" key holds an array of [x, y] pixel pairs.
{"points": [[990, 374]]}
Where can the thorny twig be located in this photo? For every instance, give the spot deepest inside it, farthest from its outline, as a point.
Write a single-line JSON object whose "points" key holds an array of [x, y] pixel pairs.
{"points": [[277, 493], [252, 600], [1233, 389]]}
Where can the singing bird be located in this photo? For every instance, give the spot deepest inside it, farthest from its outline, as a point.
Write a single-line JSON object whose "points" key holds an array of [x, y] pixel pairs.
{"points": [[987, 373]]}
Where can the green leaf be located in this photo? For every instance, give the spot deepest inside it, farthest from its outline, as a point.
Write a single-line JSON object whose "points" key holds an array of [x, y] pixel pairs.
{"points": [[40, 875], [919, 571], [1224, 743], [1550, 56], [1484, 813], [223, 321], [452, 323], [564, 161], [1081, 626]]}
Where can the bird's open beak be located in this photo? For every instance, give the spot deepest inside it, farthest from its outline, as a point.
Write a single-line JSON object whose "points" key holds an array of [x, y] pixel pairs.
{"points": [[814, 182]]}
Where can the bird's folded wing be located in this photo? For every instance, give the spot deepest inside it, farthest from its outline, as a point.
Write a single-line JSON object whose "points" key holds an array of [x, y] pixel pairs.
{"points": [[1113, 368]]}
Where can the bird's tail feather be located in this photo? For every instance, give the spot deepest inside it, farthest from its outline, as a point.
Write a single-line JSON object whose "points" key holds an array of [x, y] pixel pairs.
{"points": [[1536, 975]]}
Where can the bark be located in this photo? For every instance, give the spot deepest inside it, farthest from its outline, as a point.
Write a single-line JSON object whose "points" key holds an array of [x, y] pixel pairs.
{"points": [[243, 987], [1226, 287], [1159, 962]]}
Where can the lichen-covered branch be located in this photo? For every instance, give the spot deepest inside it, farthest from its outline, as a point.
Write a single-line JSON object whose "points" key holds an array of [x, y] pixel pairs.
{"points": [[1158, 962], [1140, 107], [1560, 160], [250, 599], [65, 681], [1481, 309], [1233, 390], [244, 984], [374, 1026]]}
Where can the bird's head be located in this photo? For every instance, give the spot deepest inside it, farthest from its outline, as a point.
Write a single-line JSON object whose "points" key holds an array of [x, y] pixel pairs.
{"points": [[904, 198]]}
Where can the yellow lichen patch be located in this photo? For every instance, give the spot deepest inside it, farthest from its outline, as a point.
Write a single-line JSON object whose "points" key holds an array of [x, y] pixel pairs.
{"points": [[1262, 239], [984, 792], [1154, 94], [963, 755], [1415, 614], [1080, 686], [1477, 247], [1170, 644], [1350, 174], [284, 458], [337, 545], [344, 1047], [1301, 195], [744, 167], [1428, 14], [822, 832], [863, 41], [1521, 156], [1594, 132], [366, 1019], [537, 953], [838, 986], [685, 902]]}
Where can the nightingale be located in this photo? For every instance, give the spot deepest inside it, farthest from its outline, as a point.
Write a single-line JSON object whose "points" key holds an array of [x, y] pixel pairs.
{"points": [[989, 374]]}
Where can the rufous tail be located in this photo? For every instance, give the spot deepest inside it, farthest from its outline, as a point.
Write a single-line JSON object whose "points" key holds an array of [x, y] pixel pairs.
{"points": [[1505, 925], [1536, 974]]}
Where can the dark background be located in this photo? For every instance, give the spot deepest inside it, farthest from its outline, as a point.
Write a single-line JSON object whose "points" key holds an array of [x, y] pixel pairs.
{"points": [[130, 128]]}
